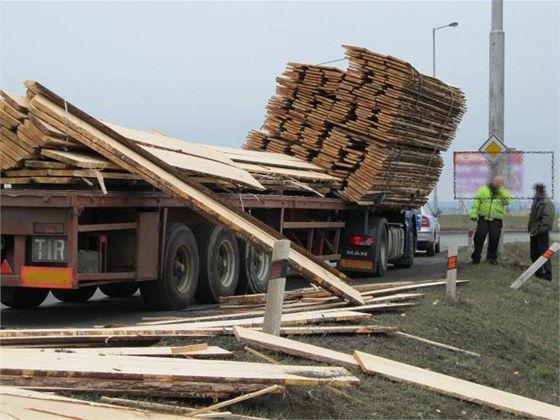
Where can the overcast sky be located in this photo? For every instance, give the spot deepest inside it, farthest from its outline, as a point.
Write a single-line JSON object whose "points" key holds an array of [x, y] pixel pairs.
{"points": [[203, 71]]}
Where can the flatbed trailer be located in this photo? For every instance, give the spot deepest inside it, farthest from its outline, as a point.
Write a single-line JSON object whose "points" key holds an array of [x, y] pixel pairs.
{"points": [[72, 241]]}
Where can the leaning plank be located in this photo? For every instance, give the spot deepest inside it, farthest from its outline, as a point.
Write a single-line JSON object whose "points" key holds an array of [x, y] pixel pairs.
{"points": [[295, 348], [24, 404], [435, 343], [217, 406], [161, 407], [458, 388], [41, 362], [131, 157]]}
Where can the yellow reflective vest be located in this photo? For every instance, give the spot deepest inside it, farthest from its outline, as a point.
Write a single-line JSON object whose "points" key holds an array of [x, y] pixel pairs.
{"points": [[490, 208]]}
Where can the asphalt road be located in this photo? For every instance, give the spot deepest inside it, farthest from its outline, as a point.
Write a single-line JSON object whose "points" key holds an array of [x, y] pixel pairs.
{"points": [[101, 310]]}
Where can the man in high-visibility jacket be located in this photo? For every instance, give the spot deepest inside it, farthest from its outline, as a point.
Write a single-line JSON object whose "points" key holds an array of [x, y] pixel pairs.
{"points": [[488, 210]]}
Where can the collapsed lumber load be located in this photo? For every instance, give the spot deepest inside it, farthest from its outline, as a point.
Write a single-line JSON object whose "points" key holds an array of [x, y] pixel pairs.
{"points": [[33, 152], [380, 126], [121, 147]]}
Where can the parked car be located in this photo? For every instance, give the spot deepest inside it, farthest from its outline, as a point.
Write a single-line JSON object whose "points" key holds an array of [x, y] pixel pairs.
{"points": [[429, 231]]}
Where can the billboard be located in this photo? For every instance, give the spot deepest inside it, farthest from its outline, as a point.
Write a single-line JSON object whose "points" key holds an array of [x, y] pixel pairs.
{"points": [[471, 170]]}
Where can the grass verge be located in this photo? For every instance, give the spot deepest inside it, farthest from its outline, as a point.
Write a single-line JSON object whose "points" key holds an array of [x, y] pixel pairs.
{"points": [[512, 222], [515, 331]]}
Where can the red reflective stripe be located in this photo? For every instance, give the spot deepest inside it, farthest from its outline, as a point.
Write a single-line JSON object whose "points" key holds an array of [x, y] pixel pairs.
{"points": [[452, 263], [549, 253]]}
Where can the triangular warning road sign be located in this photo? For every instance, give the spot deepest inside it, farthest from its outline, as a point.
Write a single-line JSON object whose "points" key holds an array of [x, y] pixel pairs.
{"points": [[6, 269]]}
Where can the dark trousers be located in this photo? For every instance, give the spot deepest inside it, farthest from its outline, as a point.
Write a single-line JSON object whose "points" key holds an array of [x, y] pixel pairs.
{"points": [[492, 228], [539, 244]]}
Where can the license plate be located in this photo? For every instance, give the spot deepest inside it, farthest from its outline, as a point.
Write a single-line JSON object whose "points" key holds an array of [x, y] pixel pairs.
{"points": [[50, 249]]}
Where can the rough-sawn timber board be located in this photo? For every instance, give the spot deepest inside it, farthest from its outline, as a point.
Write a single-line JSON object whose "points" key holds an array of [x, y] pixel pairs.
{"points": [[35, 362], [295, 348], [455, 387]]}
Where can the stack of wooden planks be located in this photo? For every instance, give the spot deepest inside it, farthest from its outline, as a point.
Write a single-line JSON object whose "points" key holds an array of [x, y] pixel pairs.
{"points": [[381, 126], [34, 152]]}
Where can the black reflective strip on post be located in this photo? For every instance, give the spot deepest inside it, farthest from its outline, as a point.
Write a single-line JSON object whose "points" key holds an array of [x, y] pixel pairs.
{"points": [[279, 269]]}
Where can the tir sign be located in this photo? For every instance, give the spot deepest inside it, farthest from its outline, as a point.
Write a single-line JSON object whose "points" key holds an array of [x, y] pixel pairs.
{"points": [[48, 249]]}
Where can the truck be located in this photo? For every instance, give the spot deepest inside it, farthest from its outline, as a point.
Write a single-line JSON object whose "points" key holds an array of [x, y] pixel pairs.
{"points": [[72, 242]]}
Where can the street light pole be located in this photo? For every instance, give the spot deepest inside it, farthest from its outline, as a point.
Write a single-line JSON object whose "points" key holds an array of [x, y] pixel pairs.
{"points": [[449, 25]]}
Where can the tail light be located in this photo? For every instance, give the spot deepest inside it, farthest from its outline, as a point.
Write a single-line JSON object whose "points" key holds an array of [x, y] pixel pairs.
{"points": [[361, 240], [425, 221]]}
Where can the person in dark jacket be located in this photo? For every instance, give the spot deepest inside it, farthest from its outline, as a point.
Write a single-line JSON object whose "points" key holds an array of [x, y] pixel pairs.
{"points": [[541, 220], [488, 211]]}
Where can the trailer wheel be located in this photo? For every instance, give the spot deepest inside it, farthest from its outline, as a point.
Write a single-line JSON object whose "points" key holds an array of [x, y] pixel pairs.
{"points": [[74, 295], [408, 261], [175, 290], [21, 297], [254, 270], [119, 290], [219, 263], [381, 253]]}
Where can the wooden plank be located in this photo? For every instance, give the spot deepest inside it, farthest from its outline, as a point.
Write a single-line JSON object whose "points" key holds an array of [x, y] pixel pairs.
{"points": [[269, 159], [145, 388], [168, 408], [81, 160], [18, 102], [457, 388], [205, 166], [25, 404], [217, 406], [294, 348], [44, 164], [193, 329], [41, 362], [196, 351], [343, 329], [165, 142], [134, 159], [435, 343]]}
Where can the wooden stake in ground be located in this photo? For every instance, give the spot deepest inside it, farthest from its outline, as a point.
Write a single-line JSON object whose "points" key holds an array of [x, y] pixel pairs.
{"points": [[535, 266], [451, 290], [276, 285]]}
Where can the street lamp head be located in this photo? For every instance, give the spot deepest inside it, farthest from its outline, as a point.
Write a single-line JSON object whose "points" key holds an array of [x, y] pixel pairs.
{"points": [[453, 24]]}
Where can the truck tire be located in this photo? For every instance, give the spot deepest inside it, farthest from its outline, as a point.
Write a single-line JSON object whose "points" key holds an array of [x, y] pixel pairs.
{"points": [[219, 263], [254, 270], [408, 261], [23, 297], [175, 290], [74, 295], [381, 252], [119, 290]]}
